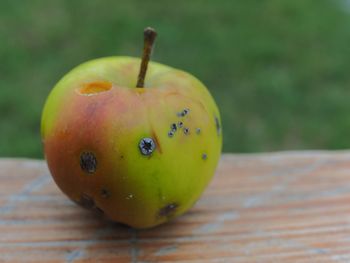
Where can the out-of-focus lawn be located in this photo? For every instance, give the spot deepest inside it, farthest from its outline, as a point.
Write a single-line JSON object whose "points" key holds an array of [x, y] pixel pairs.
{"points": [[279, 69]]}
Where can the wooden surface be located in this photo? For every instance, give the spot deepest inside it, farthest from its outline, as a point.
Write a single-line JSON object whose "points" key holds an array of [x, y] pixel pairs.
{"points": [[280, 207]]}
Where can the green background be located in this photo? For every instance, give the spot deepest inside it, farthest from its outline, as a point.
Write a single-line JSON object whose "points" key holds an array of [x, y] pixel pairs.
{"points": [[279, 69]]}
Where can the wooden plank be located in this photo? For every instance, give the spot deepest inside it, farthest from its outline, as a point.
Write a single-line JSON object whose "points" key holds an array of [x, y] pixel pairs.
{"points": [[277, 207]]}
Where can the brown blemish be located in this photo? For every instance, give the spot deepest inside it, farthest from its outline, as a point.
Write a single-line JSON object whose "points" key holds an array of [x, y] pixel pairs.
{"points": [[99, 210], [217, 125], [168, 210], [88, 162], [156, 139], [88, 202], [96, 87]]}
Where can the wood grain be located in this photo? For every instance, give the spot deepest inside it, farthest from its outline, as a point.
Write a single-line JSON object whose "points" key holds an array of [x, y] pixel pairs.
{"points": [[278, 207]]}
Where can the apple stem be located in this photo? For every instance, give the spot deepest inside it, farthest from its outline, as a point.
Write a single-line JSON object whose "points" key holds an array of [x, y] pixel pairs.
{"points": [[149, 37]]}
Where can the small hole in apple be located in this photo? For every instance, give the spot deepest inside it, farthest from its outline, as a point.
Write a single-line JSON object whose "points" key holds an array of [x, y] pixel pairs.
{"points": [[186, 111], [105, 193], [173, 127], [170, 134], [94, 88], [168, 210], [186, 131]]}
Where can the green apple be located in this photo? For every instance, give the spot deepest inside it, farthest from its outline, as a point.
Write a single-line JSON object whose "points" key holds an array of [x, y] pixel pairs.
{"points": [[140, 151]]}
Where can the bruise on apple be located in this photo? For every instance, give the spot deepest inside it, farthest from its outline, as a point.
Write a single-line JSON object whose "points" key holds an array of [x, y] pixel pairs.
{"points": [[88, 162], [168, 210], [204, 156]]}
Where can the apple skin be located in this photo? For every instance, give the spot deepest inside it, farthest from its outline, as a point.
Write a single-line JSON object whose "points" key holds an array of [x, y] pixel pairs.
{"points": [[92, 125]]}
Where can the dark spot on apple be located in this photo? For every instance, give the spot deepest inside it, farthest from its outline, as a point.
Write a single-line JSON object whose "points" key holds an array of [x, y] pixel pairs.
{"points": [[198, 130], [105, 193], [186, 130], [173, 127], [88, 162], [170, 134], [186, 111], [156, 140], [183, 113], [180, 114], [168, 210], [99, 210], [88, 202], [204, 156], [180, 124], [147, 146], [217, 125]]}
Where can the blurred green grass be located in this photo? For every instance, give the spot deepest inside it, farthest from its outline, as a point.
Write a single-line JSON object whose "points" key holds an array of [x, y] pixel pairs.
{"points": [[279, 69]]}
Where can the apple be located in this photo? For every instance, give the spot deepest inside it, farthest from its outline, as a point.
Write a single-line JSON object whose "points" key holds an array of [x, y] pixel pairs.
{"points": [[141, 149]]}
